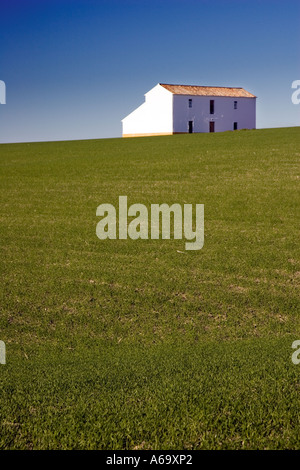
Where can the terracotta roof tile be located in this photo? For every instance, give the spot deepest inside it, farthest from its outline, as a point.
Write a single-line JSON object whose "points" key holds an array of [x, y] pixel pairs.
{"points": [[207, 91]]}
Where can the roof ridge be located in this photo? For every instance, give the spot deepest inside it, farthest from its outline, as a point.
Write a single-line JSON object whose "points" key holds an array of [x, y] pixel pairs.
{"points": [[203, 86]]}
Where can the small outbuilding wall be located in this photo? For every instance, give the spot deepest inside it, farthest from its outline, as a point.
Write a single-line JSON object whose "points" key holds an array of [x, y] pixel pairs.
{"points": [[154, 117]]}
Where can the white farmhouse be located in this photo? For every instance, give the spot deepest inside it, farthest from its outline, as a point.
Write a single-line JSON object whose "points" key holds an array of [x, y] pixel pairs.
{"points": [[182, 109]]}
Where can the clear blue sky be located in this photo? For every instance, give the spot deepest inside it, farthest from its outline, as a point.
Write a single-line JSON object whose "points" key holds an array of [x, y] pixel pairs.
{"points": [[74, 68]]}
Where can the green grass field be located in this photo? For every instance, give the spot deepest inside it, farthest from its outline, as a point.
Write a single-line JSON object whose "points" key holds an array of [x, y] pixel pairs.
{"points": [[123, 344]]}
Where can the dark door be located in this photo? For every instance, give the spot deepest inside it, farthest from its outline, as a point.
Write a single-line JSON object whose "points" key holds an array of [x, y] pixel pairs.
{"points": [[191, 125], [211, 126], [235, 126]]}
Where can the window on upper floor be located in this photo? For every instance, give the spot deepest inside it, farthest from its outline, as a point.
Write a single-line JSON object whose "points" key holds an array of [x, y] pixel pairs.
{"points": [[190, 103], [212, 106], [235, 105]]}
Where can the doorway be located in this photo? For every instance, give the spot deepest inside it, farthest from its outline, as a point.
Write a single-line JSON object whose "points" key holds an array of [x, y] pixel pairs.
{"points": [[191, 127], [211, 126]]}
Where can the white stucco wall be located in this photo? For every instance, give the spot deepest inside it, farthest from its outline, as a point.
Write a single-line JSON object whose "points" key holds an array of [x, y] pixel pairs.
{"points": [[224, 113], [155, 116]]}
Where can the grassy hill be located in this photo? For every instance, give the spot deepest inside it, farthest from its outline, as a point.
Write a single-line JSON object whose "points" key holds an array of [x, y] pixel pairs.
{"points": [[123, 344]]}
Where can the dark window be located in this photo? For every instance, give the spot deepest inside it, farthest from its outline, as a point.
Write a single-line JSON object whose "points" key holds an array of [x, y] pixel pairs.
{"points": [[235, 126], [235, 105], [211, 126], [191, 125], [212, 106], [190, 103]]}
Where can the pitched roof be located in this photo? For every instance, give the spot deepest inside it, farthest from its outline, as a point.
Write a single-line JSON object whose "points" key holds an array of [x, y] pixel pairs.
{"points": [[207, 91]]}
